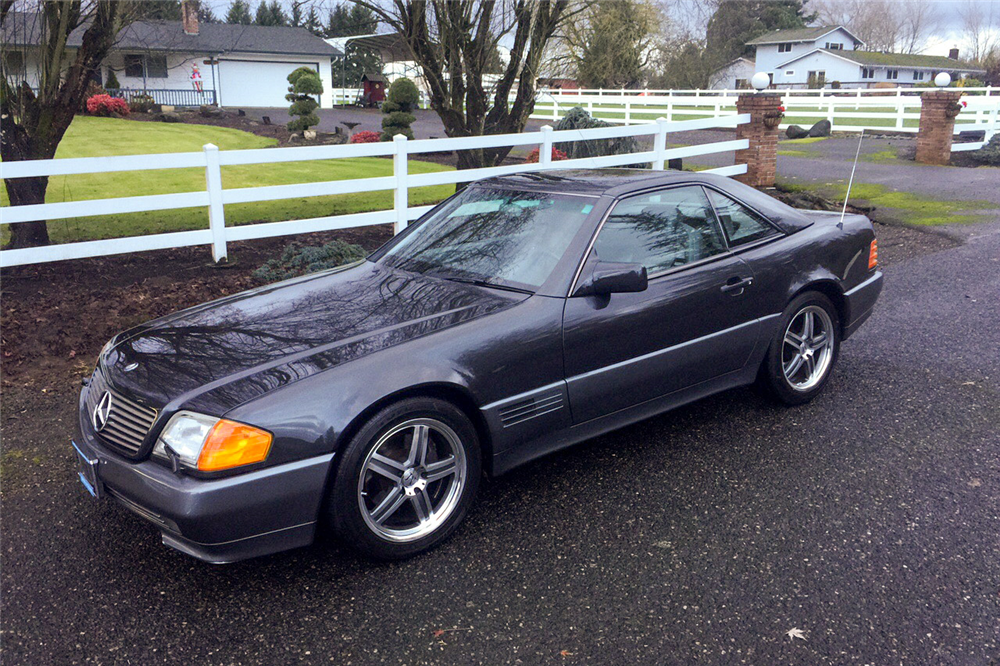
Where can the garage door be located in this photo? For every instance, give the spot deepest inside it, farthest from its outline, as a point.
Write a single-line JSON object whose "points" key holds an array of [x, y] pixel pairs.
{"points": [[246, 83]]}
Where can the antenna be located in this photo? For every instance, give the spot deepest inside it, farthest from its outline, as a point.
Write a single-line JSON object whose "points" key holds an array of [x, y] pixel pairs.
{"points": [[840, 225]]}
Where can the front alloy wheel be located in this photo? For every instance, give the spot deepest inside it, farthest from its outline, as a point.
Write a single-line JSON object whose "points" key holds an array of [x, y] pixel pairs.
{"points": [[406, 479]]}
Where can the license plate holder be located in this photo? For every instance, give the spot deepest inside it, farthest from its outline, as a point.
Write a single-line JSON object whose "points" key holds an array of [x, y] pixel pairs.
{"points": [[86, 468]]}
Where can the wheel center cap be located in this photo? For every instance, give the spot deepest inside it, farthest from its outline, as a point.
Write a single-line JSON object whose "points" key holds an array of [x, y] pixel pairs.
{"points": [[412, 481], [807, 352]]}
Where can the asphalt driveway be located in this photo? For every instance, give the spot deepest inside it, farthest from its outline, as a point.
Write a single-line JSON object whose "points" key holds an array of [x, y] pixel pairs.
{"points": [[868, 520]]}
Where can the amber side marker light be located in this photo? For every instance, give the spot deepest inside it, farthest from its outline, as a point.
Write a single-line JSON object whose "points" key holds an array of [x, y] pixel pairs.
{"points": [[232, 444], [873, 255]]}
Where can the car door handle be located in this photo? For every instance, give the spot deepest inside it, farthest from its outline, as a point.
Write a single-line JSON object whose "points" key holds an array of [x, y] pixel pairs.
{"points": [[736, 285]]}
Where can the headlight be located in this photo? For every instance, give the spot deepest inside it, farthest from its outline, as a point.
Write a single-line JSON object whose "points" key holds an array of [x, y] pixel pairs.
{"points": [[210, 444]]}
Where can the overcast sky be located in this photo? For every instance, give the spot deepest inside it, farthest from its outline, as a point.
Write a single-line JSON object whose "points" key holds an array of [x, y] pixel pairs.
{"points": [[946, 34]]}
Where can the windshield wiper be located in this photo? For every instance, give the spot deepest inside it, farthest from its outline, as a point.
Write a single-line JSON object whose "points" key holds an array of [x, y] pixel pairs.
{"points": [[484, 283]]}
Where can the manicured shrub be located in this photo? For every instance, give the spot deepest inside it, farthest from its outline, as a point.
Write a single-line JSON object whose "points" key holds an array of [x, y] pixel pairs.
{"points": [[988, 154], [556, 155], [142, 103], [305, 85], [402, 99], [300, 259], [366, 136], [93, 90], [107, 106], [112, 82]]}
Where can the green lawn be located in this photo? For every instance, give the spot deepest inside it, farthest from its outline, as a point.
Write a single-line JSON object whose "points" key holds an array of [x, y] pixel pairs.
{"points": [[93, 137]]}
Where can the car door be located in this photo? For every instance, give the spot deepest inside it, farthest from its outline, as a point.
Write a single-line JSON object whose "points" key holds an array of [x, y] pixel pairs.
{"points": [[697, 319]]}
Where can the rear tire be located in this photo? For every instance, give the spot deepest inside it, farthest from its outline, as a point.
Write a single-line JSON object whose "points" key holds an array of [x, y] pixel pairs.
{"points": [[406, 479], [803, 351]]}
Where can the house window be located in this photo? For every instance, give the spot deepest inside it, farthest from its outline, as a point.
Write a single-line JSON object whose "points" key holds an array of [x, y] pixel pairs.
{"points": [[817, 79], [156, 67], [835, 46], [892, 74], [133, 66], [742, 84], [150, 67], [785, 48], [918, 76], [789, 72], [867, 73], [13, 63]]}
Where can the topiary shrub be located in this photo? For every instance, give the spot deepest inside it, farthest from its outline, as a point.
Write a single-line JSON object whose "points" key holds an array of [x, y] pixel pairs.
{"points": [[300, 259], [112, 82], [107, 106], [305, 85], [402, 99], [988, 154], [366, 136], [577, 118]]}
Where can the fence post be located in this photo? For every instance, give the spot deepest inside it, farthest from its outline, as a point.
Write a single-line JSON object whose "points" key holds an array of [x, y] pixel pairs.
{"points": [[900, 109], [399, 168], [555, 109], [661, 143], [216, 211], [628, 113], [545, 149]]}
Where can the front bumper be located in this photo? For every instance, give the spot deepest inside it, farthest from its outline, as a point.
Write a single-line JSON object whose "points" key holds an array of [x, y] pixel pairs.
{"points": [[861, 301], [219, 520]]}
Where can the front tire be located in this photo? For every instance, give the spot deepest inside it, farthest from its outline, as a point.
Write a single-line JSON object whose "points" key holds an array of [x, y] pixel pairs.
{"points": [[406, 479], [804, 350]]}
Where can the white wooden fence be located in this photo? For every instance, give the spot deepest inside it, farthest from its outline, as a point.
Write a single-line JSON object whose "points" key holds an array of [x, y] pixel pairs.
{"points": [[848, 111], [215, 197]]}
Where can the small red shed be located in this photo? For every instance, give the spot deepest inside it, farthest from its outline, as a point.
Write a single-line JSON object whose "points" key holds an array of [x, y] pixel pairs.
{"points": [[373, 89]]}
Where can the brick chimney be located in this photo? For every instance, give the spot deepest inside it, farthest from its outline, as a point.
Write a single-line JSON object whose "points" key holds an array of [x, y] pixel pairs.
{"points": [[953, 54], [189, 17]]}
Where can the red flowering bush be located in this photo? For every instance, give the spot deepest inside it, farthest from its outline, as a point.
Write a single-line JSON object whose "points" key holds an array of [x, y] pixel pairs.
{"points": [[107, 106], [366, 136], [557, 155]]}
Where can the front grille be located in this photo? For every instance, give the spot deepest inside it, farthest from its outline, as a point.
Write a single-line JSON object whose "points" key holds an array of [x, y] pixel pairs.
{"points": [[128, 422]]}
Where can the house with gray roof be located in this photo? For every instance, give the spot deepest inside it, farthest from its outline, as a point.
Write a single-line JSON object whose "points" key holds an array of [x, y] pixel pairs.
{"points": [[821, 56], [187, 64]]}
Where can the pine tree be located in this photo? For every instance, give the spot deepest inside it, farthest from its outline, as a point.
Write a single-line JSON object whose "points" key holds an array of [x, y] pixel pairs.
{"points": [[239, 13], [313, 24]]}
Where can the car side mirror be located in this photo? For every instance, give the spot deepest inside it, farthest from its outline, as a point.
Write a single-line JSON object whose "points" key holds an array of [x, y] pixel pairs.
{"points": [[613, 278]]}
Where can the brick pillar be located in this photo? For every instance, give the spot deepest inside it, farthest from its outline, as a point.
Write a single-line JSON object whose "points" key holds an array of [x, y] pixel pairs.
{"points": [[937, 123], [761, 157]]}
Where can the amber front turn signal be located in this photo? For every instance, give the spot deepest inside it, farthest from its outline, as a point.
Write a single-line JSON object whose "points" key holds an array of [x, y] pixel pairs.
{"points": [[232, 444], [873, 255]]}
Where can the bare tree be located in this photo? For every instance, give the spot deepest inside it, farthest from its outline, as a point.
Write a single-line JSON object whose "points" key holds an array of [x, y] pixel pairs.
{"points": [[34, 122], [981, 29], [884, 25], [453, 42]]}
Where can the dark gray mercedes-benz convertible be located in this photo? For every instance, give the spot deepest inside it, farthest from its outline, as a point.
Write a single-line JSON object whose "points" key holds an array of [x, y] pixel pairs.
{"points": [[524, 314]]}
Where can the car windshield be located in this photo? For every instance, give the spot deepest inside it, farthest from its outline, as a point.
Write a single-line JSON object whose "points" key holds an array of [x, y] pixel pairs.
{"points": [[492, 236]]}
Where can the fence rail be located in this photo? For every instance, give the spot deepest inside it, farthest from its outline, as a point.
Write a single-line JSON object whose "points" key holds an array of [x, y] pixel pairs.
{"points": [[171, 97], [215, 197]]}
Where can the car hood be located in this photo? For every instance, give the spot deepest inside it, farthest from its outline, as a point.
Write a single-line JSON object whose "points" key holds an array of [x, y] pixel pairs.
{"points": [[219, 355]]}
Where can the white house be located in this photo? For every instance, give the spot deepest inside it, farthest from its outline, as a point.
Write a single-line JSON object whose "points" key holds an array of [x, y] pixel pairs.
{"points": [[734, 75], [831, 55], [187, 64]]}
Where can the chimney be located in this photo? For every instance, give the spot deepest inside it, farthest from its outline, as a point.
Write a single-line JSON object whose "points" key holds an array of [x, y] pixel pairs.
{"points": [[953, 54], [189, 17]]}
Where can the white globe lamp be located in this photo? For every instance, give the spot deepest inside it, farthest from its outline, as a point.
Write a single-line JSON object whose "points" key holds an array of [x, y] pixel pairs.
{"points": [[942, 80], [760, 81]]}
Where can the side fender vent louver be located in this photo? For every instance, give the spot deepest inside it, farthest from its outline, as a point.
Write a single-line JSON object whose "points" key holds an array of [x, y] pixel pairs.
{"points": [[529, 408]]}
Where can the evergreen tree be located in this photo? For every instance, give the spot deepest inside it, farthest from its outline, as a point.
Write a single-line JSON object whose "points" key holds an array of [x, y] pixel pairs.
{"points": [[313, 24], [270, 14], [239, 12], [163, 10], [344, 21], [736, 22], [297, 18], [615, 43], [206, 15]]}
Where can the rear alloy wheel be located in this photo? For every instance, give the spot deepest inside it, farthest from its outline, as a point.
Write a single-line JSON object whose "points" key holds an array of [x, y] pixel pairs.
{"points": [[802, 355], [406, 479]]}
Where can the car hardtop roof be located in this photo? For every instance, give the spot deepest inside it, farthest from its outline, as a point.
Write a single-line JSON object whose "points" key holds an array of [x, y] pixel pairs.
{"points": [[617, 182], [613, 182]]}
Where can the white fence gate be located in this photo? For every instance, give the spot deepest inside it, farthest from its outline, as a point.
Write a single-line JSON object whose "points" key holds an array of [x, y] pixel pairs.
{"points": [[215, 197]]}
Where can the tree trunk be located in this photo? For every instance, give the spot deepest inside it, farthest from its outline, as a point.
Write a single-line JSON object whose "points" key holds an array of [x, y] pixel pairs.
{"points": [[25, 192]]}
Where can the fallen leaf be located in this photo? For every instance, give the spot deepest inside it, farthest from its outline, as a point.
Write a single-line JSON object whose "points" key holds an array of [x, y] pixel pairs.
{"points": [[565, 653], [794, 633], [438, 633]]}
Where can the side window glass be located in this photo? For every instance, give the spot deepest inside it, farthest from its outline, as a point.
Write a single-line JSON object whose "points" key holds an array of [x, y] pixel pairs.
{"points": [[741, 224], [662, 230]]}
